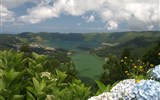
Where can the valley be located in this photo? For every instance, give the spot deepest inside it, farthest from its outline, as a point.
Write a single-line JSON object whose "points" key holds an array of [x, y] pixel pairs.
{"points": [[88, 51]]}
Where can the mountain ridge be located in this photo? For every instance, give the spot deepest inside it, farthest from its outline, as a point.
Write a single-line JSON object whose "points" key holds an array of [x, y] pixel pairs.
{"points": [[87, 41]]}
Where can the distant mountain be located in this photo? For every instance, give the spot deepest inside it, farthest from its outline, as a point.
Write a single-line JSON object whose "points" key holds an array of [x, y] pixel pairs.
{"points": [[138, 45], [96, 42]]}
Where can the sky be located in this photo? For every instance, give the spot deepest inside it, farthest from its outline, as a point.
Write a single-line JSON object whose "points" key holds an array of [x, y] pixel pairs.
{"points": [[79, 16]]}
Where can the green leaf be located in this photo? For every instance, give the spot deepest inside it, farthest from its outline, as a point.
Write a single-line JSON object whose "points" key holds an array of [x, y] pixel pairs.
{"points": [[140, 77], [1, 97], [39, 67], [13, 74], [42, 85], [24, 61], [108, 88], [2, 65], [36, 84], [30, 96], [101, 86], [30, 89], [17, 97], [41, 95]]}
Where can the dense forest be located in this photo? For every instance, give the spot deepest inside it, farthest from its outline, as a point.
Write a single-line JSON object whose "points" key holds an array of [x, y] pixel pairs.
{"points": [[32, 70]]}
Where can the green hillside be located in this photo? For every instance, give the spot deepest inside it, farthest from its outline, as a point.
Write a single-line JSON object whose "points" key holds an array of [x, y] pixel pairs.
{"points": [[91, 58], [100, 44], [138, 46], [87, 41]]}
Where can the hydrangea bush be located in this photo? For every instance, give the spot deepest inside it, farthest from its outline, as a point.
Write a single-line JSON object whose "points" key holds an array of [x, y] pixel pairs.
{"points": [[147, 90], [130, 90], [123, 90], [155, 73], [103, 96]]}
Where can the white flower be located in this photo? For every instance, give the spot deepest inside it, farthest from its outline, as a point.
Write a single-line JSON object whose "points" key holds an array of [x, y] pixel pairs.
{"points": [[46, 74], [103, 96], [155, 73], [123, 90], [147, 90], [49, 97]]}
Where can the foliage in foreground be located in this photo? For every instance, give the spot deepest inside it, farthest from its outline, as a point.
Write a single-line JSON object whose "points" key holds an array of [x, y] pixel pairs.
{"points": [[27, 78], [116, 69], [133, 76], [130, 89], [38, 77]]}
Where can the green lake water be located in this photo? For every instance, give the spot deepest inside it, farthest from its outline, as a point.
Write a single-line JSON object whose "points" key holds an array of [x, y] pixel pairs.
{"points": [[89, 67]]}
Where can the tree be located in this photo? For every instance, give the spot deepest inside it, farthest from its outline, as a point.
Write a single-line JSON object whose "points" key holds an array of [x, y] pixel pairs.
{"points": [[153, 55], [114, 70], [25, 48], [126, 53]]}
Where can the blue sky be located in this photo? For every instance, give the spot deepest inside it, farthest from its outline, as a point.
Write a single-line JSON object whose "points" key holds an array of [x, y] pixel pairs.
{"points": [[79, 15]]}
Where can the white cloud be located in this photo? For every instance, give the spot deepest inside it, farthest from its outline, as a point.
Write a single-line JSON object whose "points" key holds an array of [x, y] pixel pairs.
{"points": [[80, 7], [150, 27], [39, 14], [44, 10], [72, 7], [106, 15], [88, 19], [5, 15], [135, 14], [111, 25]]}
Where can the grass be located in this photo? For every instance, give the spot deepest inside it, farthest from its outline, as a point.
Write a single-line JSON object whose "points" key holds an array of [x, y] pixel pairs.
{"points": [[89, 66]]}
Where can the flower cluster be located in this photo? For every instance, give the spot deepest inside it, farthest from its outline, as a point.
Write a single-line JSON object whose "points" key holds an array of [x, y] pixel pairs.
{"points": [[49, 97], [135, 89], [134, 68], [103, 96], [147, 90], [155, 73], [130, 90], [123, 90], [46, 75]]}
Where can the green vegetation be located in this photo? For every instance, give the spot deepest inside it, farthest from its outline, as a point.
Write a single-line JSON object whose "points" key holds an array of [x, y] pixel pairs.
{"points": [[36, 73], [90, 40], [29, 79], [138, 46], [38, 77], [89, 67], [153, 55], [125, 67]]}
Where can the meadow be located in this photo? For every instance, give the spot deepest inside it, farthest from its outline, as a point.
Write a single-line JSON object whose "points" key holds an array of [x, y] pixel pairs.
{"points": [[89, 67]]}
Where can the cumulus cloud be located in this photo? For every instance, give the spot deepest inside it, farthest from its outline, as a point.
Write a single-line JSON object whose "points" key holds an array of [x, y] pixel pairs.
{"points": [[53, 8], [79, 7], [39, 14], [111, 25], [5, 15], [135, 14], [88, 19], [44, 10]]}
